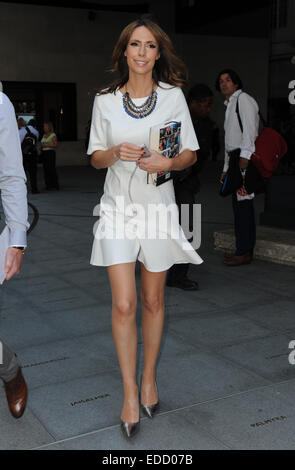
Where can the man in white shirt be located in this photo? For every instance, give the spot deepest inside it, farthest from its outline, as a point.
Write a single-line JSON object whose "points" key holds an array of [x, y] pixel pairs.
{"points": [[240, 143], [14, 203], [22, 128], [29, 160]]}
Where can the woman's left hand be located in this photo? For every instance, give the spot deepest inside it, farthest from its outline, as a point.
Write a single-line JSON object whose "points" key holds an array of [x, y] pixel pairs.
{"points": [[155, 163]]}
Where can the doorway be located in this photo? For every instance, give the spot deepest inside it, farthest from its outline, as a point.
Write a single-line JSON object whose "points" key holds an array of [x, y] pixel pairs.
{"points": [[55, 102]]}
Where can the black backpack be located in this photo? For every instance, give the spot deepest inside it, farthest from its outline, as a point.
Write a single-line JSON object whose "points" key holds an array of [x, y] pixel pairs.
{"points": [[29, 143]]}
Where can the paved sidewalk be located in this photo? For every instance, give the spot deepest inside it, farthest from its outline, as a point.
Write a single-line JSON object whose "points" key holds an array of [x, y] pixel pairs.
{"points": [[223, 375]]}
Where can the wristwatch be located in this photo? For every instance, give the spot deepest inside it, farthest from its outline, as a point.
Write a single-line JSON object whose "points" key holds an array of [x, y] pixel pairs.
{"points": [[21, 248]]}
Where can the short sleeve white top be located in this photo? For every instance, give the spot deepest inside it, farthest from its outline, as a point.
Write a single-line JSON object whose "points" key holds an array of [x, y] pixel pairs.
{"points": [[128, 228]]}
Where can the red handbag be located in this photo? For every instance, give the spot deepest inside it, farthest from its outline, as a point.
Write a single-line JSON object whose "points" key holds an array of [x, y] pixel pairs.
{"points": [[270, 147]]}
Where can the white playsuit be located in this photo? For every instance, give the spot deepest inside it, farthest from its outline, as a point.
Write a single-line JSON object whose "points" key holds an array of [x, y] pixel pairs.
{"points": [[127, 206]]}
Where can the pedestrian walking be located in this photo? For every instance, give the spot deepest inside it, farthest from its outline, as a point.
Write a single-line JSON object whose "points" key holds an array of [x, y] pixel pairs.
{"points": [[146, 93], [14, 202]]}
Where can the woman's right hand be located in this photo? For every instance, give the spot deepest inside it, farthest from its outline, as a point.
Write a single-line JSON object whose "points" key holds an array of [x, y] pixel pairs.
{"points": [[128, 152]]}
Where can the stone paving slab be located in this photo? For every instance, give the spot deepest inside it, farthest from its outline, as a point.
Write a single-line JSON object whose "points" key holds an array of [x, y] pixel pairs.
{"points": [[178, 303], [278, 280], [277, 317], [261, 419], [63, 264], [226, 295], [53, 228], [191, 378], [66, 360], [82, 321], [78, 406], [267, 357], [218, 329], [23, 433], [165, 432], [20, 331]]}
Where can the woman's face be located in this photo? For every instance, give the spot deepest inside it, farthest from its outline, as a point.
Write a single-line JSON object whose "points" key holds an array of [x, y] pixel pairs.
{"points": [[46, 128], [142, 51]]}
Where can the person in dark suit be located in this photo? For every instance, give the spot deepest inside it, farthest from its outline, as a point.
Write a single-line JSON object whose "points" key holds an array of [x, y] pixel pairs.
{"points": [[199, 99]]}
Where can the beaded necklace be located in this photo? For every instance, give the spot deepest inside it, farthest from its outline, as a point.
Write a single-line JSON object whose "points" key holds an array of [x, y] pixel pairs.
{"points": [[140, 112]]}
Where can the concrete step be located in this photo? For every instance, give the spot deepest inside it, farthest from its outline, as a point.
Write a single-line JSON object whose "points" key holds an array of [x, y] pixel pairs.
{"points": [[272, 244]]}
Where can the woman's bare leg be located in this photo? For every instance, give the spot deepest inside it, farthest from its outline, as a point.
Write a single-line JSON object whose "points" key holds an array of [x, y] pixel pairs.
{"points": [[124, 302], [152, 299]]}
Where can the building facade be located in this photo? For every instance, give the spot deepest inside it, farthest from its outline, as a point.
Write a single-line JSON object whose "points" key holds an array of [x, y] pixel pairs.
{"points": [[54, 58]]}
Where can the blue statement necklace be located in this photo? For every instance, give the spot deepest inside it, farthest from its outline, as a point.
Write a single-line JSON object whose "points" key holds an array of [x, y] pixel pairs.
{"points": [[142, 111]]}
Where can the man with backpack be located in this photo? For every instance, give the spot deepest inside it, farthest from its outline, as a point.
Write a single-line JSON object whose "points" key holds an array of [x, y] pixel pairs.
{"points": [[241, 131], [29, 137]]}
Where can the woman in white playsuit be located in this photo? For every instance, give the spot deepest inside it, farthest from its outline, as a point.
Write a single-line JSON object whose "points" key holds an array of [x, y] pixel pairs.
{"points": [[146, 93]]}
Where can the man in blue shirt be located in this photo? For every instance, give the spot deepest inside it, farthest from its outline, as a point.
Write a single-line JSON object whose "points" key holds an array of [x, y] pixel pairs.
{"points": [[14, 202]]}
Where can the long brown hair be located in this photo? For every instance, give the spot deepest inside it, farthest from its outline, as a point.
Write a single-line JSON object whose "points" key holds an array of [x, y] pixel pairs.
{"points": [[169, 68]]}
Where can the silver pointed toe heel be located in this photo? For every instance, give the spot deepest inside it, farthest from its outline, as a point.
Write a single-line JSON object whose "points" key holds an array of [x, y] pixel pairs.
{"points": [[129, 430], [150, 410]]}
